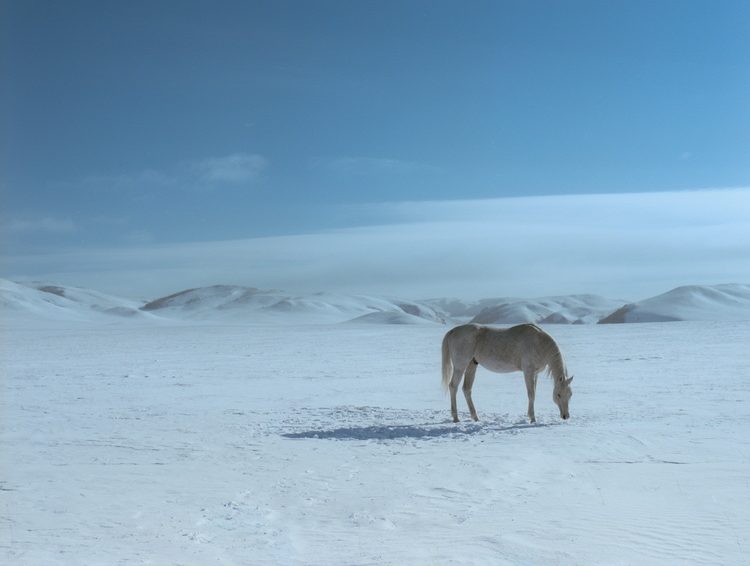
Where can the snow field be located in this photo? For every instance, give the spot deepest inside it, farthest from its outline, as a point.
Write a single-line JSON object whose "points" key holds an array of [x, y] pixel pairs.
{"points": [[331, 444]]}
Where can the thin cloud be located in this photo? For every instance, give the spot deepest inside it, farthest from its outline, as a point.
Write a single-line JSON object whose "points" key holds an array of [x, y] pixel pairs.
{"points": [[232, 169], [625, 245]]}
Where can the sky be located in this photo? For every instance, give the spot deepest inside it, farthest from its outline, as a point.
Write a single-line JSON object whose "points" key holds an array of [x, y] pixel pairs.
{"points": [[419, 148]]}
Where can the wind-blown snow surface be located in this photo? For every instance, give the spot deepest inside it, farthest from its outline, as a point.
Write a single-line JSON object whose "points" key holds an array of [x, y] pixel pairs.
{"points": [[331, 445]]}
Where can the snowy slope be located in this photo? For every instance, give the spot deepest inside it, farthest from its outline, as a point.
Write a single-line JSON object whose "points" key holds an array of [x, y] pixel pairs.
{"points": [[573, 309], [206, 301], [58, 302], [224, 302], [332, 445], [461, 309], [217, 303], [389, 317], [692, 302], [228, 303]]}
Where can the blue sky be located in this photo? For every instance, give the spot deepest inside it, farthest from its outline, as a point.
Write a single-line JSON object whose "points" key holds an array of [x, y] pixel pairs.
{"points": [[129, 127]]}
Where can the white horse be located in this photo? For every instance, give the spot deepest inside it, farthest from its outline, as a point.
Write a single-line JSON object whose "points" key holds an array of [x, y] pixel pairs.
{"points": [[525, 348]]}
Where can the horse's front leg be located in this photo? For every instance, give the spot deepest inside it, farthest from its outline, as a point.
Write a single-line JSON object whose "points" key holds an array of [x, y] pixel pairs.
{"points": [[530, 378]]}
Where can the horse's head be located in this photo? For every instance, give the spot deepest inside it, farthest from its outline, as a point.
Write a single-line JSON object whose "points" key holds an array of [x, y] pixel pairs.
{"points": [[561, 395]]}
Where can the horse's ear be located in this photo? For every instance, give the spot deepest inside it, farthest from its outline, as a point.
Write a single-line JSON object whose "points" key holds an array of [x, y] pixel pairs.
{"points": [[567, 381]]}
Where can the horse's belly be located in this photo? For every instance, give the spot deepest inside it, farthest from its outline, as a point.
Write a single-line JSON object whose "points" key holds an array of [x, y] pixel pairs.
{"points": [[499, 366]]}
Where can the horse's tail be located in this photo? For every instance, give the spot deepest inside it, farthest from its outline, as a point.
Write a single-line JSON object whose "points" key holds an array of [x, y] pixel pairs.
{"points": [[447, 363]]}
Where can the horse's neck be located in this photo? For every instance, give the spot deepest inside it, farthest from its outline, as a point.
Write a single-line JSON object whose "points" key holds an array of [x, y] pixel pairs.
{"points": [[554, 359]]}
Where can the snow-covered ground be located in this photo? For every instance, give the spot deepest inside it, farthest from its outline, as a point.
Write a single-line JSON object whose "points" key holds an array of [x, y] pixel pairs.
{"points": [[135, 443]]}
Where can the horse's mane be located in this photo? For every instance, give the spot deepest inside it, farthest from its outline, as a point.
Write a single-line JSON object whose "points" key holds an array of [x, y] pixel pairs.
{"points": [[554, 358]]}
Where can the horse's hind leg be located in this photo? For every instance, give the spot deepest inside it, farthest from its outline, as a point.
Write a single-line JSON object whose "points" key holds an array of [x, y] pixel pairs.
{"points": [[469, 376], [530, 377], [455, 381]]}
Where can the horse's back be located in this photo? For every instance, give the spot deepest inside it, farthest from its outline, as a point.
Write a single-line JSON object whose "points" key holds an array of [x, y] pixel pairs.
{"points": [[473, 332], [502, 350], [527, 329], [526, 332], [498, 349]]}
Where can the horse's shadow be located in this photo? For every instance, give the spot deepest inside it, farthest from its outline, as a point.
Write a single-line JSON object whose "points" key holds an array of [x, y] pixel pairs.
{"points": [[414, 431]]}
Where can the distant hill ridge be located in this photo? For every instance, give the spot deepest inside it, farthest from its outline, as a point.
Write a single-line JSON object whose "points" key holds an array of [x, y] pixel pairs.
{"points": [[573, 309], [232, 303], [58, 302], [690, 302]]}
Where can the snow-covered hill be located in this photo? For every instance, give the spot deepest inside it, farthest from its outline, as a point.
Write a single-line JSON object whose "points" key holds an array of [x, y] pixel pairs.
{"points": [[389, 317], [227, 298], [57, 302], [249, 304], [691, 302], [237, 304], [574, 309], [460, 309], [218, 303]]}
